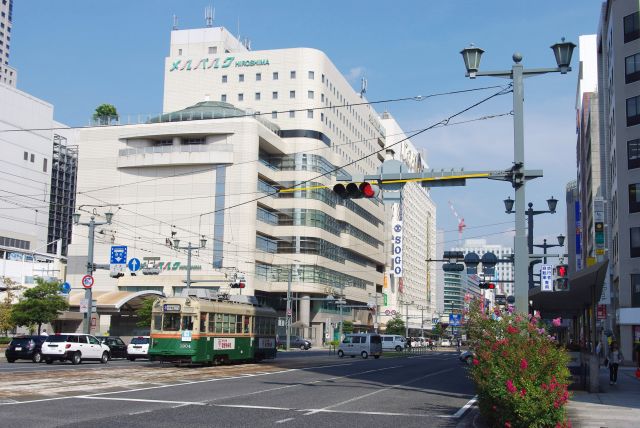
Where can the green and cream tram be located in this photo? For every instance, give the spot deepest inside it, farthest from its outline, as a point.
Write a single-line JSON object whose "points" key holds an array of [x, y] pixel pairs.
{"points": [[211, 330]]}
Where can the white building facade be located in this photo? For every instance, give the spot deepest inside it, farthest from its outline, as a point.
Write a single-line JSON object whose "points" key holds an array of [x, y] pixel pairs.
{"points": [[414, 295], [8, 75], [211, 168]]}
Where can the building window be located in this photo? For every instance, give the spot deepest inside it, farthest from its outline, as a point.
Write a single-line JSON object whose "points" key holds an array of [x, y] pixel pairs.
{"points": [[224, 78], [633, 154], [258, 77], [179, 51], [275, 75], [309, 114], [223, 98], [634, 240], [44, 167], [240, 97], [635, 290], [33, 158], [631, 27], [634, 198], [213, 49], [26, 155], [633, 111], [240, 77], [257, 96], [293, 74], [292, 113], [274, 114], [311, 75], [310, 95], [632, 68], [274, 95], [292, 94]]}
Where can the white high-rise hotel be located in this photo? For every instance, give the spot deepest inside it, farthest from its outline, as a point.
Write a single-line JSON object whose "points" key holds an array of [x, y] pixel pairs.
{"points": [[211, 167]]}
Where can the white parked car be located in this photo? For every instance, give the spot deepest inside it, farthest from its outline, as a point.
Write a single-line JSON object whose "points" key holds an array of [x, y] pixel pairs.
{"points": [[445, 342], [74, 347], [392, 341], [138, 348]]}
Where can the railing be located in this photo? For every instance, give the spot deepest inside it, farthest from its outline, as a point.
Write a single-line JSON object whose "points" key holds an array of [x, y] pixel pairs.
{"points": [[186, 148]]}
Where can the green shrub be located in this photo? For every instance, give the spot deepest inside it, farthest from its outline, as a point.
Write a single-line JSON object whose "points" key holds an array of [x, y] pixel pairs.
{"points": [[4, 340], [519, 370]]}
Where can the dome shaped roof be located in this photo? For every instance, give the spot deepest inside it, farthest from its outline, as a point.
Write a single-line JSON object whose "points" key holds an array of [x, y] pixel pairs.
{"points": [[201, 111]]}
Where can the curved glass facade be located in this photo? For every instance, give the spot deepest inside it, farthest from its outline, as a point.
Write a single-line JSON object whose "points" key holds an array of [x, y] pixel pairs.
{"points": [[310, 273]]}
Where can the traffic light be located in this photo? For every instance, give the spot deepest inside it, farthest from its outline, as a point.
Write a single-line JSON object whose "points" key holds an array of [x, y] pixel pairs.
{"points": [[453, 267], [356, 190], [238, 284], [487, 286], [561, 278]]}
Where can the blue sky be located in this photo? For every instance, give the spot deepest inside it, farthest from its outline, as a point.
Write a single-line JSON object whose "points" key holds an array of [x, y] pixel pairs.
{"points": [[77, 54]]}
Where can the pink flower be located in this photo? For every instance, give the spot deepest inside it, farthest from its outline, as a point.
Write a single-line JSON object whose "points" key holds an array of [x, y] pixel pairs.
{"points": [[523, 364], [511, 329], [507, 424], [523, 392], [475, 362], [557, 321], [511, 387], [543, 386], [542, 331]]}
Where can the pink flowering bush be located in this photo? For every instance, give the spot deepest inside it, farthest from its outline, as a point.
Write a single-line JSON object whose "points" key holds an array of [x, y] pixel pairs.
{"points": [[520, 372]]}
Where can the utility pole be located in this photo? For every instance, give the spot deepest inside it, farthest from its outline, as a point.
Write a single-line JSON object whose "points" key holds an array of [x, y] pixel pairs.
{"points": [[406, 314], [189, 248], [88, 294], [422, 308]]}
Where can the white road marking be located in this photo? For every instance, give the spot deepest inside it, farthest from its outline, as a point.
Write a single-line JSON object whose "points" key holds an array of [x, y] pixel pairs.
{"points": [[464, 408], [248, 406], [144, 400], [379, 391], [281, 421]]}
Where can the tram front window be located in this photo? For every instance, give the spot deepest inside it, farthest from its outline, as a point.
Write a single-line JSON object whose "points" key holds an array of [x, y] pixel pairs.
{"points": [[187, 323], [157, 322], [171, 322]]}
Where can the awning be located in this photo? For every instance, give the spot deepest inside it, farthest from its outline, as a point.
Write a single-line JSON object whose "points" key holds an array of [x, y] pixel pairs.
{"points": [[585, 288]]}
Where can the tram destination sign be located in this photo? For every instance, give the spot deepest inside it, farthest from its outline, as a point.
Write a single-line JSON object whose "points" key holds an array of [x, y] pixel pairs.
{"points": [[170, 308]]}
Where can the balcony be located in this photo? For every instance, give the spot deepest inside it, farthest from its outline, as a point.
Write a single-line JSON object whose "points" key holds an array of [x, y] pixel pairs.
{"points": [[188, 154]]}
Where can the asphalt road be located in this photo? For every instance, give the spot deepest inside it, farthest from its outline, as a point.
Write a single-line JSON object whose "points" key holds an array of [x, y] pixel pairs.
{"points": [[297, 389]]}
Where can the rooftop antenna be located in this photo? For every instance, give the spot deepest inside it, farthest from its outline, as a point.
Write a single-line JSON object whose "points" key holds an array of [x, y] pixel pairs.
{"points": [[175, 22], [363, 87], [238, 28], [209, 13]]}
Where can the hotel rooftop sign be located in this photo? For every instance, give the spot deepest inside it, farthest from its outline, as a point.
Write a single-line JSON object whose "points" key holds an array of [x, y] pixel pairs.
{"points": [[209, 63]]}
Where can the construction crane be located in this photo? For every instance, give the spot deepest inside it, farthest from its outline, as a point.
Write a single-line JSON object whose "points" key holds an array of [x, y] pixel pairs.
{"points": [[460, 220]]}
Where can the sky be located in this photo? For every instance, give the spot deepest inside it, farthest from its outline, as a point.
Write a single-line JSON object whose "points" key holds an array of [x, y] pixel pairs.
{"points": [[78, 54]]}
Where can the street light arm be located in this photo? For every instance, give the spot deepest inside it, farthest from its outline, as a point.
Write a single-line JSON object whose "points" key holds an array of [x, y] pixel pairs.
{"points": [[539, 71]]}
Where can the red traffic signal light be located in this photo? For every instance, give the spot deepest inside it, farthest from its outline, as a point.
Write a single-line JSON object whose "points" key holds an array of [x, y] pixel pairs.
{"points": [[356, 191], [562, 271], [491, 286], [238, 284]]}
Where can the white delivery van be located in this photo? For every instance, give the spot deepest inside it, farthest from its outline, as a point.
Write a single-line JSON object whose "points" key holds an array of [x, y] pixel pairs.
{"points": [[392, 341], [362, 344]]}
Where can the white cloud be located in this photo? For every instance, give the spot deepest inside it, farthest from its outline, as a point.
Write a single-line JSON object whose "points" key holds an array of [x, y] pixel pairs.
{"points": [[355, 74]]}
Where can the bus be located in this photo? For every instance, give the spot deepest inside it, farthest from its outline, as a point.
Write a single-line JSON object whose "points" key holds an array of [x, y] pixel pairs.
{"points": [[206, 328]]}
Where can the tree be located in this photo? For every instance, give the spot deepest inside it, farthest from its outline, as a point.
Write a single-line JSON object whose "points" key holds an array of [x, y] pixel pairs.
{"points": [[395, 325], [39, 305], [9, 286], [105, 113], [347, 326], [144, 313]]}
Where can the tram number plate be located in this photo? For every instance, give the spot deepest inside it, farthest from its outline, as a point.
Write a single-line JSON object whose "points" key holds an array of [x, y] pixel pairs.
{"points": [[171, 308], [220, 343], [266, 343]]}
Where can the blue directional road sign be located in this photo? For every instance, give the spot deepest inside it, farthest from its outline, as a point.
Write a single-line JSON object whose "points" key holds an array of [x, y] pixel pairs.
{"points": [[65, 288], [118, 255], [134, 264]]}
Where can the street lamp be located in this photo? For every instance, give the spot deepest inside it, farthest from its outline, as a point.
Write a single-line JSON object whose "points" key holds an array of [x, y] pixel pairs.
{"points": [[189, 248], [88, 294], [472, 56], [544, 246], [552, 203]]}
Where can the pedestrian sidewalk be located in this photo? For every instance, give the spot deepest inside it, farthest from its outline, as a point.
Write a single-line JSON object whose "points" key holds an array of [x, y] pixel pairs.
{"points": [[614, 406]]}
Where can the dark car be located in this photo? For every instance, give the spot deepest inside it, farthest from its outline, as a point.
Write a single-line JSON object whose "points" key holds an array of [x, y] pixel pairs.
{"points": [[25, 348], [294, 342], [116, 345]]}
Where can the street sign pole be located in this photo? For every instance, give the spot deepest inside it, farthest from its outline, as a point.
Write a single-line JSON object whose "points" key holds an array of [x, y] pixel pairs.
{"points": [[88, 293]]}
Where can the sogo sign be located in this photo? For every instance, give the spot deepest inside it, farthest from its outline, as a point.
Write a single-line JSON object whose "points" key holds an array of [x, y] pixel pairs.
{"points": [[396, 239]]}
